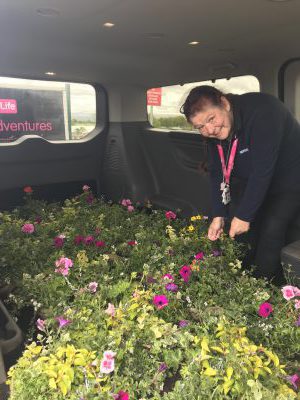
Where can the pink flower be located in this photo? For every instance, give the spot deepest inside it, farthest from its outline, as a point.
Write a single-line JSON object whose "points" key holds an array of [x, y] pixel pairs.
{"points": [[58, 241], [170, 215], [121, 395], [288, 292], [160, 301], [132, 242], [28, 189], [168, 277], [265, 310], [171, 287], [62, 321], [110, 310], [85, 188], [40, 324], [126, 202], [297, 304], [93, 287], [130, 208], [183, 323], [88, 240], [294, 380], [185, 273], [63, 265], [78, 239], [28, 228], [99, 243], [296, 291], [108, 362], [199, 256]]}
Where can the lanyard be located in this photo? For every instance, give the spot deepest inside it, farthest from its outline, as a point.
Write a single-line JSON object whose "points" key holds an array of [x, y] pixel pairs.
{"points": [[227, 171]]}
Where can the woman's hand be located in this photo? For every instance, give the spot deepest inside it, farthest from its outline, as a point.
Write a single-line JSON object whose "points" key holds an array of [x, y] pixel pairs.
{"points": [[238, 226], [215, 228]]}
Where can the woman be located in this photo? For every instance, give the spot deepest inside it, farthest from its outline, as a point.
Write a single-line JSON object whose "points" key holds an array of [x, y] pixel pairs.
{"points": [[253, 139]]}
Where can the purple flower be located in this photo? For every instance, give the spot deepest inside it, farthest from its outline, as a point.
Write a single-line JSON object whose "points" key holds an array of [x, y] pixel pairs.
{"points": [[90, 199], [183, 323], [162, 367], [93, 287], [58, 241], [78, 239], [297, 323], [294, 380], [171, 287], [62, 321]]}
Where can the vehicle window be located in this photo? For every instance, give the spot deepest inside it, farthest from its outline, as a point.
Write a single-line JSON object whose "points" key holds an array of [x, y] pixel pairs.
{"points": [[163, 104], [56, 111]]}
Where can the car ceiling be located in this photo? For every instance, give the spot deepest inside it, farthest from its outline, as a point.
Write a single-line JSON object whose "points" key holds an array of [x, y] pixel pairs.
{"points": [[148, 45]]}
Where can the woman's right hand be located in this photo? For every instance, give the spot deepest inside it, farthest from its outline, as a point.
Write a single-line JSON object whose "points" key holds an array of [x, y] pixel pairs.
{"points": [[215, 228]]}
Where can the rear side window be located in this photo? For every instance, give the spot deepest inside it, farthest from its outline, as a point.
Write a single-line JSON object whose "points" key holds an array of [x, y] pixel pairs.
{"points": [[56, 111], [163, 104]]}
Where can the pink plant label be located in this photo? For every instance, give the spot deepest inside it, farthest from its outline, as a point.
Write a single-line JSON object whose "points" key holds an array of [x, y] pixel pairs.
{"points": [[8, 106]]}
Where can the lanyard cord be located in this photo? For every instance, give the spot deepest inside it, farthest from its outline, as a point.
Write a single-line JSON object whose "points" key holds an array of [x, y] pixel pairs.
{"points": [[228, 165]]}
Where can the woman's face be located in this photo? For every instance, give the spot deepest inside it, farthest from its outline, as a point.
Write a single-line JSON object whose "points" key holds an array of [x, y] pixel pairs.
{"points": [[214, 122]]}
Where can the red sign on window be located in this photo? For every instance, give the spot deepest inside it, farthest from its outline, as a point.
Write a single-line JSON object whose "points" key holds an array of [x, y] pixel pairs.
{"points": [[154, 97]]}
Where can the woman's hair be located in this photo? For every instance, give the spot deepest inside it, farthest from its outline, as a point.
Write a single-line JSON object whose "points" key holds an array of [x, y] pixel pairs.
{"points": [[198, 99]]}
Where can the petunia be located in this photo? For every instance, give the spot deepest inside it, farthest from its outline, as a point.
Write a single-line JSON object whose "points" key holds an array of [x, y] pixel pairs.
{"points": [[62, 321], [130, 208], [288, 292], [88, 240], [28, 189], [126, 202], [78, 239], [185, 273], [63, 265], [265, 309], [121, 395], [99, 243], [108, 362], [294, 380], [160, 301], [93, 287], [85, 188], [28, 228], [40, 324], [199, 256], [58, 241], [171, 287], [111, 310], [170, 215]]}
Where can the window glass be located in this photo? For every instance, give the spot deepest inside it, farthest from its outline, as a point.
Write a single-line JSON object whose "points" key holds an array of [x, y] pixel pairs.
{"points": [[56, 111], [163, 104]]}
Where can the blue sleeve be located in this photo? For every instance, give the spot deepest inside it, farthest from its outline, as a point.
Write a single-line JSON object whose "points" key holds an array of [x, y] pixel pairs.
{"points": [[216, 177], [266, 133]]}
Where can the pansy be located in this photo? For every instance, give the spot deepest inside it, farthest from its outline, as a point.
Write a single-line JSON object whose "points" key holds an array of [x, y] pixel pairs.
{"points": [[265, 309], [28, 228], [170, 215], [199, 256], [160, 301], [185, 273], [171, 287], [62, 321], [288, 292], [93, 287]]}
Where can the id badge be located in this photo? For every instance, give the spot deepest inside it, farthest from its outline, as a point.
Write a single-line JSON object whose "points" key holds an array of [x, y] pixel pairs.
{"points": [[225, 193]]}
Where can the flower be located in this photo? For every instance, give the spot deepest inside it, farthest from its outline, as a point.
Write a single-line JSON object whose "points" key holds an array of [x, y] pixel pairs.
{"points": [[63, 265], [28, 228], [297, 304], [294, 380], [132, 242], [191, 228], [90, 198], [216, 253], [85, 188], [78, 239], [40, 324], [111, 310], [121, 395], [130, 208], [99, 243], [183, 323], [28, 189], [58, 241], [38, 220], [170, 215], [168, 277], [108, 362], [288, 292], [297, 323], [199, 256], [171, 287], [160, 301], [126, 202], [163, 366], [88, 240], [185, 273], [62, 321], [93, 287], [265, 309]]}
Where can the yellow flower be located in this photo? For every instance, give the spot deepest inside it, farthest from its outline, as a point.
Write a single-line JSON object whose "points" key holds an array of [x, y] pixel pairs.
{"points": [[191, 228]]}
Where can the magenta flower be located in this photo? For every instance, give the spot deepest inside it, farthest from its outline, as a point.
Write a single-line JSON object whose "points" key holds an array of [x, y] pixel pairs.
{"points": [[63, 265], [199, 256], [40, 324], [162, 367], [288, 292], [88, 240], [111, 310], [28, 228], [58, 241], [62, 321], [99, 243], [265, 309], [78, 239], [121, 395], [183, 323], [130, 208], [160, 301], [90, 198], [108, 362], [132, 242], [85, 188], [185, 273], [93, 287], [171, 287], [168, 277], [170, 215], [294, 380]]}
